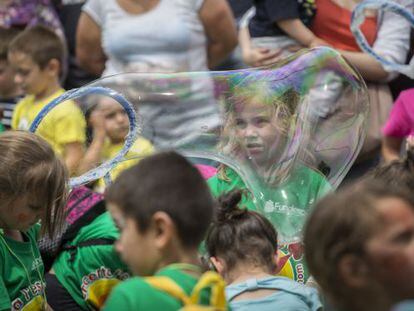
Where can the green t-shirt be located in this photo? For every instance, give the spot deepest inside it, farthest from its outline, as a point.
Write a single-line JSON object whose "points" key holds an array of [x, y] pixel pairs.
{"points": [[301, 190], [93, 270], [136, 294], [296, 195], [21, 270]]}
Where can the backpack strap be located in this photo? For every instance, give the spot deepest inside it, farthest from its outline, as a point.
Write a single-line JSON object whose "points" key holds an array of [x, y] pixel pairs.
{"points": [[209, 279], [214, 281], [168, 286], [95, 211], [72, 249]]}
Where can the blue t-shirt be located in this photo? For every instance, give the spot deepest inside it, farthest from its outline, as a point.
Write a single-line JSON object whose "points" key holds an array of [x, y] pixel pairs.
{"points": [[268, 12], [289, 295]]}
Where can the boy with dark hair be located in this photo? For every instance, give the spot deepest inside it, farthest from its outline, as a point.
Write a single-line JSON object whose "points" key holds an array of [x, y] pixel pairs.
{"points": [[36, 55], [359, 246], [9, 90], [163, 207]]}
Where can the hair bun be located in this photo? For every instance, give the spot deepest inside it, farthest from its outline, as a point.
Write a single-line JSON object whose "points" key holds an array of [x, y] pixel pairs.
{"points": [[229, 209]]}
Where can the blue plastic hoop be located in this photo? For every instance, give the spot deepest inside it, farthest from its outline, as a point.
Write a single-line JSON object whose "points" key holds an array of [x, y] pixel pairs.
{"points": [[103, 169]]}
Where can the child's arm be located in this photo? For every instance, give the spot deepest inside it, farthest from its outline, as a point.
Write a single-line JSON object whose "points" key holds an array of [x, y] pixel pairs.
{"points": [[72, 155], [298, 31], [93, 155]]}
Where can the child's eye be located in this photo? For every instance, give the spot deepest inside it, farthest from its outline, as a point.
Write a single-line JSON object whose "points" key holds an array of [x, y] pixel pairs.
{"points": [[261, 121], [405, 237], [23, 72], [240, 123], [110, 116]]}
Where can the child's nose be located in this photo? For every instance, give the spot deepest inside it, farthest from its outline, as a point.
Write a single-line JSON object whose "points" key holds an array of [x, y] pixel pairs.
{"points": [[18, 79], [251, 131]]}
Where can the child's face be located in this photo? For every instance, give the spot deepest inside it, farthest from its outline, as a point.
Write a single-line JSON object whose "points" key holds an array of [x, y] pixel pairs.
{"points": [[28, 75], [20, 215], [257, 131], [115, 119], [7, 86], [390, 253], [137, 249]]}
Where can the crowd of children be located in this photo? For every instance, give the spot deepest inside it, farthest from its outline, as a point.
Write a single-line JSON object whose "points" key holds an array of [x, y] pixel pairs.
{"points": [[170, 235]]}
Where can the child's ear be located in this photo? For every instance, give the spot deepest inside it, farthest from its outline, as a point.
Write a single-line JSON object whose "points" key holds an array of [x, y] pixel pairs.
{"points": [[53, 67], [163, 228], [354, 271], [218, 264]]}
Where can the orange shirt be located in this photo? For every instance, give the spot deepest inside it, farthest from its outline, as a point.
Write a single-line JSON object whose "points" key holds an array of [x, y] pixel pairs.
{"points": [[332, 24]]}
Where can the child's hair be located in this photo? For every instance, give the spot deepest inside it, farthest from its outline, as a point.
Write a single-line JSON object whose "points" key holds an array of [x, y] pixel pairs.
{"points": [[165, 182], [41, 43], [6, 37], [283, 104], [399, 173], [340, 224], [238, 234], [29, 166]]}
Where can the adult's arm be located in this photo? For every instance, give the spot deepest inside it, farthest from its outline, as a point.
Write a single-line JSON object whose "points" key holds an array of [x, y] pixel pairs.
{"points": [[368, 66], [220, 28], [392, 43], [89, 52]]}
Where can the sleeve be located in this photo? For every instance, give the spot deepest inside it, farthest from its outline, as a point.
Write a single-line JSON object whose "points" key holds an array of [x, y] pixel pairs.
{"points": [[70, 124], [281, 9], [16, 117], [393, 37], [96, 10], [5, 303], [398, 123]]}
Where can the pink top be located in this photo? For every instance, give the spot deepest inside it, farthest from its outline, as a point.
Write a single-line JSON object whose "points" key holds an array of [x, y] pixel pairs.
{"points": [[401, 120], [206, 171]]}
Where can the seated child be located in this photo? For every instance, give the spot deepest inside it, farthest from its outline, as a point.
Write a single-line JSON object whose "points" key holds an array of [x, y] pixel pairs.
{"points": [[258, 124], [276, 27], [400, 125], [10, 93], [32, 187], [36, 56], [110, 126], [242, 246], [163, 207], [359, 245]]}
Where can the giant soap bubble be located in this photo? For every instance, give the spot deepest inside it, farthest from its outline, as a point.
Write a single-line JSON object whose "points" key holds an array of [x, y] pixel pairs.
{"points": [[286, 134]]}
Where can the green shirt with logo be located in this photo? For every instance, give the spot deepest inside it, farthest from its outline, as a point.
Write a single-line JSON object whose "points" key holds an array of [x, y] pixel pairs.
{"points": [[21, 272], [136, 294], [89, 273]]}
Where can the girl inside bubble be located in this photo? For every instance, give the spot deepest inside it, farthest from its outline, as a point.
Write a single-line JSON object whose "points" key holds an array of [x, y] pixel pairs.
{"points": [[32, 187], [261, 133]]}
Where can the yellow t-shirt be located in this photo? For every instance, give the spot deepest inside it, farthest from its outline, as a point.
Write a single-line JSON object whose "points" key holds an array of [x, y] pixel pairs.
{"points": [[140, 149], [62, 125]]}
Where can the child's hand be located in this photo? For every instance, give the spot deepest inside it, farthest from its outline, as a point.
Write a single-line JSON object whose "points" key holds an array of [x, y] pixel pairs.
{"points": [[318, 42], [256, 57], [97, 121]]}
